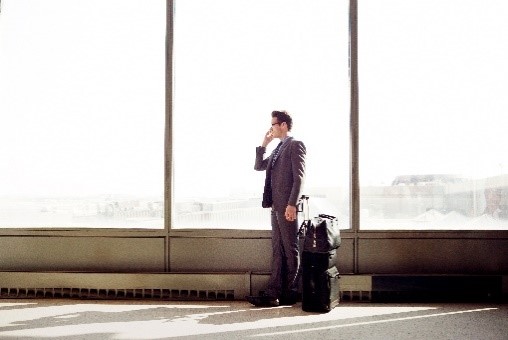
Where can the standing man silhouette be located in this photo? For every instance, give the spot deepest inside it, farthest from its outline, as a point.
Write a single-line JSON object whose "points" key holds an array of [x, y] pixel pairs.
{"points": [[285, 172]]}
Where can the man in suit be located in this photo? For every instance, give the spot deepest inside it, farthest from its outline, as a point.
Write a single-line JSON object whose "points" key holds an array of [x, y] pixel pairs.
{"points": [[285, 172]]}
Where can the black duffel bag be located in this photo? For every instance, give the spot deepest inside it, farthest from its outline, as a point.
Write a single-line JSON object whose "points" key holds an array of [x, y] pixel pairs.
{"points": [[322, 234]]}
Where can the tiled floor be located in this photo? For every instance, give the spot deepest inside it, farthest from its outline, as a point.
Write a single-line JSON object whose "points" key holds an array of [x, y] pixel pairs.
{"points": [[140, 319]]}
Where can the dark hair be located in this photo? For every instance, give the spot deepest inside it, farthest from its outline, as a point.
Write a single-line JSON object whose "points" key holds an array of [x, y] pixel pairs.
{"points": [[283, 116]]}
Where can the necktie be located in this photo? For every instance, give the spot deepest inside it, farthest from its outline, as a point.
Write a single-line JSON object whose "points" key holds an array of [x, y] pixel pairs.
{"points": [[276, 153]]}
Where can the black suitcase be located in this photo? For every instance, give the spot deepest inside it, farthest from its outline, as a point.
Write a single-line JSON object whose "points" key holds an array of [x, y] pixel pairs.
{"points": [[320, 285], [320, 261]]}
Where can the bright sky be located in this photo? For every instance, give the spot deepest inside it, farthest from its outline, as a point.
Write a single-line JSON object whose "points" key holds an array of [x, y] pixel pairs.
{"points": [[433, 80], [81, 97], [234, 67], [82, 91]]}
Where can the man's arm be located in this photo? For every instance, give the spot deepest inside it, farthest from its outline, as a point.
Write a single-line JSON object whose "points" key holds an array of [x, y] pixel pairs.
{"points": [[298, 153], [260, 164]]}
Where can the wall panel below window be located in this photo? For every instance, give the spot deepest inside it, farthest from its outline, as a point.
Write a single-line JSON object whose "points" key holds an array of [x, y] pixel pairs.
{"points": [[94, 254], [433, 256]]}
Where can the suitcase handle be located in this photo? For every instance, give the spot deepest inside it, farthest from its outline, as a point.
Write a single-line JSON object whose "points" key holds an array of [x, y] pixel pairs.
{"points": [[303, 206], [300, 205]]}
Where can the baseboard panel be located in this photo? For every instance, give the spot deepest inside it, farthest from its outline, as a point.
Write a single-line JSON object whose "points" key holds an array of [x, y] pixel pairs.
{"points": [[415, 288], [437, 288], [235, 286], [170, 286]]}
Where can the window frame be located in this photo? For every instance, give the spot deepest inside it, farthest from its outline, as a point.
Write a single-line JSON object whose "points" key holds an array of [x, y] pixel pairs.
{"points": [[354, 233]]}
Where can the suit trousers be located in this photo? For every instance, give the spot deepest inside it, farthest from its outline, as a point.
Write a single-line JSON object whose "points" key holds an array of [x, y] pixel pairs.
{"points": [[285, 257]]}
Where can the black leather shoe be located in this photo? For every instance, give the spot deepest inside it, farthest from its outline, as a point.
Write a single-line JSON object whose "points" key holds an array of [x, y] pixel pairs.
{"points": [[289, 299], [263, 301]]}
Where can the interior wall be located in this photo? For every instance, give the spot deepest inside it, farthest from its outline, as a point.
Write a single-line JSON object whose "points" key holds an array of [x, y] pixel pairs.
{"points": [[201, 254], [88, 254], [433, 256], [360, 253]]}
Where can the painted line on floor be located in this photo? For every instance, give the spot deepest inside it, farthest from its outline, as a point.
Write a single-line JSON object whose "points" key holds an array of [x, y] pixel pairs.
{"points": [[374, 322]]}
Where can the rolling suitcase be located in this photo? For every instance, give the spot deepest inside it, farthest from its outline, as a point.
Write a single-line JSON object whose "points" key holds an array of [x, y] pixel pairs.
{"points": [[320, 289], [320, 276]]}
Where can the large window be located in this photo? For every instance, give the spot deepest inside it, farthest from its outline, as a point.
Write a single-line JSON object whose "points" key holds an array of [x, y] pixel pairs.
{"points": [[433, 80], [235, 62], [82, 107]]}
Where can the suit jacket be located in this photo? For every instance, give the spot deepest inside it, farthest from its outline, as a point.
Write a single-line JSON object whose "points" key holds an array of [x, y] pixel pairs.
{"points": [[286, 175]]}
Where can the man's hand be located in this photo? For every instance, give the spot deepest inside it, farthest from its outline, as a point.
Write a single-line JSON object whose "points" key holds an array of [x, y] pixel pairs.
{"points": [[290, 213], [268, 138]]}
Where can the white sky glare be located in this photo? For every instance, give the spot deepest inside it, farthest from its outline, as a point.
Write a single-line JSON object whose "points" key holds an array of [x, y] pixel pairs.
{"points": [[81, 97], [92, 119], [82, 93]]}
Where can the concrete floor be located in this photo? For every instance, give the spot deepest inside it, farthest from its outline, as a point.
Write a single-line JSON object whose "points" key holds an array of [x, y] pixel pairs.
{"points": [[141, 319]]}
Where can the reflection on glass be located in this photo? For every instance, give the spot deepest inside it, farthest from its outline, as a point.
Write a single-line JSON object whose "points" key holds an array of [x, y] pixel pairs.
{"points": [[432, 149], [235, 62], [437, 202]]}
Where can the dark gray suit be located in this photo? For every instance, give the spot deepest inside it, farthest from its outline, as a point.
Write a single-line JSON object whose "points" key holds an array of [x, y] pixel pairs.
{"points": [[286, 176]]}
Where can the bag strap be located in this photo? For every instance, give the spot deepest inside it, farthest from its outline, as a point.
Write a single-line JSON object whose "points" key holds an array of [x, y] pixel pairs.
{"points": [[327, 216], [305, 225]]}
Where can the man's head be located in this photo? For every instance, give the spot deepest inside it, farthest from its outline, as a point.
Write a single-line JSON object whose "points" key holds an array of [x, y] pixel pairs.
{"points": [[281, 123]]}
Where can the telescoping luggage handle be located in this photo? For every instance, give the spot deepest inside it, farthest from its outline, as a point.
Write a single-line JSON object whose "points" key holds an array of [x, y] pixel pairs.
{"points": [[303, 206]]}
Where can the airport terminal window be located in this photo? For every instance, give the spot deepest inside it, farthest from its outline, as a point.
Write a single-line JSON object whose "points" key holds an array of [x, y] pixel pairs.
{"points": [[82, 106], [433, 77], [235, 61]]}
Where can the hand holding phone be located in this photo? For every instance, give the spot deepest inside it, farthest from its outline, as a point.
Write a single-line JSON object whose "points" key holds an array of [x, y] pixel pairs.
{"points": [[268, 138]]}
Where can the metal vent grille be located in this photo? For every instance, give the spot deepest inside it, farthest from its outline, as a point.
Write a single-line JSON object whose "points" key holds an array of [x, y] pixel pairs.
{"points": [[157, 286], [94, 293], [350, 295]]}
